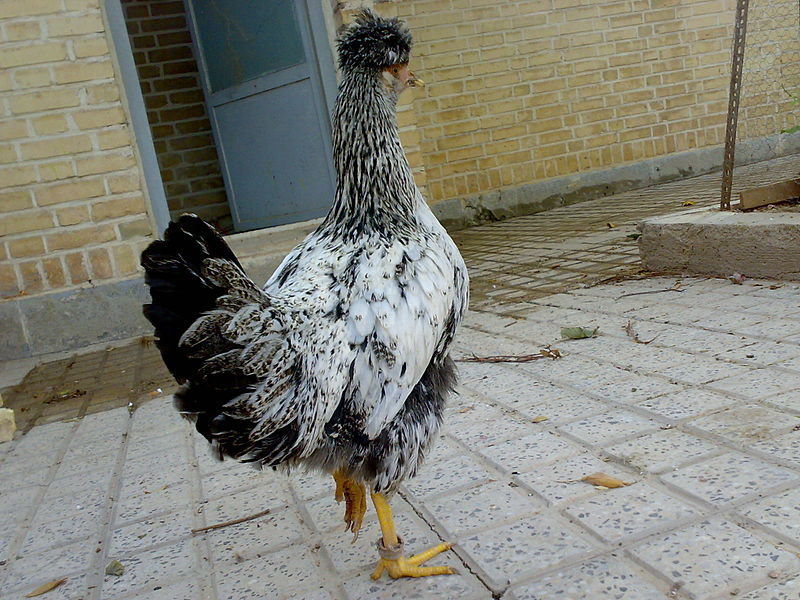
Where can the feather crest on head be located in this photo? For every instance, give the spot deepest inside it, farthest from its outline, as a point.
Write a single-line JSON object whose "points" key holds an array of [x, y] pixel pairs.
{"points": [[374, 42]]}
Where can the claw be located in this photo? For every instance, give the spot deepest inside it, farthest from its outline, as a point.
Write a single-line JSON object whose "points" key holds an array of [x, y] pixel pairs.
{"points": [[355, 498]]}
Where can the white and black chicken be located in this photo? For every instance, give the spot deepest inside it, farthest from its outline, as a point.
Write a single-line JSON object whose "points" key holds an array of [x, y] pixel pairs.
{"points": [[340, 363]]}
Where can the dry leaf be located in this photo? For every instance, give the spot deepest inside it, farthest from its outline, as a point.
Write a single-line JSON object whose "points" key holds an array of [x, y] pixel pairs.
{"points": [[467, 408], [611, 225], [115, 568], [539, 419], [578, 333], [604, 480], [46, 587], [688, 203]]}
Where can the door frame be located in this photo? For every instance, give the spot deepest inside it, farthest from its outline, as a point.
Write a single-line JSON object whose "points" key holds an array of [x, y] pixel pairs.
{"points": [[323, 81], [142, 137]]}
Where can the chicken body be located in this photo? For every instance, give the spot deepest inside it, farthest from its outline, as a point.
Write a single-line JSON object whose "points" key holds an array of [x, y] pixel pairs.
{"points": [[341, 361]]}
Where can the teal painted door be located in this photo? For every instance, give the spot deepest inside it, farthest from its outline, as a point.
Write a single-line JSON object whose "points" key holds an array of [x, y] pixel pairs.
{"points": [[268, 79]]}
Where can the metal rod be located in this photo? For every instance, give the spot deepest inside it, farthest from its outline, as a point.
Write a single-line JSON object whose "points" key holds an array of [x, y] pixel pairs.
{"points": [[737, 62]]}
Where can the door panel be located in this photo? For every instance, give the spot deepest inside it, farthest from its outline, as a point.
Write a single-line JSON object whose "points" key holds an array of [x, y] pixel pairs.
{"points": [[279, 179], [262, 79]]}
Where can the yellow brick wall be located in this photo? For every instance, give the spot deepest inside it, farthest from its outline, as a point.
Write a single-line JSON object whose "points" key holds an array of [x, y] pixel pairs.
{"points": [[72, 206], [522, 90]]}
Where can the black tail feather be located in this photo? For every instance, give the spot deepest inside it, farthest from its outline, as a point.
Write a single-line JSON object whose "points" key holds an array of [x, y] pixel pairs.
{"points": [[180, 294]]}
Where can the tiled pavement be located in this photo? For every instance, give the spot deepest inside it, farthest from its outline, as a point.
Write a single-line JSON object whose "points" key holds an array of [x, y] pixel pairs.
{"points": [[703, 423]]}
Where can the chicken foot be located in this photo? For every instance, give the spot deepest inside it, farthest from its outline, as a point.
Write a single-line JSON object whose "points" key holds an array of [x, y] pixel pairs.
{"points": [[390, 548], [355, 497]]}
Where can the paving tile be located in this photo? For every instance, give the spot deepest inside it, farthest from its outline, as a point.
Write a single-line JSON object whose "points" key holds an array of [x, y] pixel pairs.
{"points": [[45, 534], [531, 544], [148, 568], [783, 590], [134, 508], [746, 424], [463, 586], [608, 427], [686, 403], [720, 558], [256, 537], [31, 570], [74, 588], [150, 532], [469, 426], [522, 454], [560, 482], [785, 447], [758, 384], [780, 513], [662, 450], [280, 574], [235, 477], [444, 476], [728, 478], [480, 507], [601, 578], [620, 513], [271, 494]]}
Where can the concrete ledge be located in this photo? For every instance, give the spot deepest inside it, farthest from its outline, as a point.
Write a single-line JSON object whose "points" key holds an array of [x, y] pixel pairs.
{"points": [[496, 205], [709, 241]]}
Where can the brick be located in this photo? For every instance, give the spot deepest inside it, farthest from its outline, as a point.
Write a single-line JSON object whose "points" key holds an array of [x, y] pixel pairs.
{"points": [[41, 101], [124, 183], [102, 93], [32, 280], [26, 8], [81, 238], [17, 200], [72, 215], [101, 264], [26, 247], [76, 267], [100, 117], [115, 138], [54, 272], [8, 154], [90, 47], [133, 229], [33, 220], [9, 284], [15, 129], [65, 192], [54, 171], [32, 78], [34, 54], [23, 31], [104, 163], [125, 260], [118, 207], [80, 25], [61, 146], [18, 175], [83, 71], [50, 124]]}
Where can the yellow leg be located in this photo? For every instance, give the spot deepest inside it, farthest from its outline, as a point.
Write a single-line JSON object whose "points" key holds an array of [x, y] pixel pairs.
{"points": [[390, 547], [355, 497]]}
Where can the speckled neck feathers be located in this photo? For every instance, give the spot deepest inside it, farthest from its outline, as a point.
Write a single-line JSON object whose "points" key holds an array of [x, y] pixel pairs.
{"points": [[375, 188]]}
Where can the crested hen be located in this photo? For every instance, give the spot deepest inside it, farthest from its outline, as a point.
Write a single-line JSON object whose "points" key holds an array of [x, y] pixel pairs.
{"points": [[340, 363]]}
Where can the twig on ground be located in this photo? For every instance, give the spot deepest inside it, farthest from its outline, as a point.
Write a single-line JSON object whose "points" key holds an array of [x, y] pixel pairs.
{"points": [[635, 336], [232, 522], [548, 352]]}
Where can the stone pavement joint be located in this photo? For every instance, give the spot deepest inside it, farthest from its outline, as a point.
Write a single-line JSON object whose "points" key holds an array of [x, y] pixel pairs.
{"points": [[703, 423]]}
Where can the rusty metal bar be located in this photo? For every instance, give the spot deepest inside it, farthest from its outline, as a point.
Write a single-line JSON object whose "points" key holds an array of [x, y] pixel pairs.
{"points": [[737, 61]]}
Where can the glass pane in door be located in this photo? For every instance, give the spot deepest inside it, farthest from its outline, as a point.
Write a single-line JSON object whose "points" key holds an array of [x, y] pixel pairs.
{"points": [[243, 39]]}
